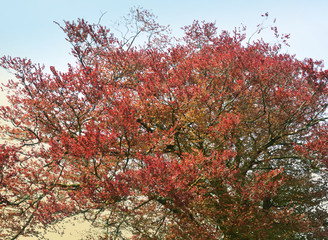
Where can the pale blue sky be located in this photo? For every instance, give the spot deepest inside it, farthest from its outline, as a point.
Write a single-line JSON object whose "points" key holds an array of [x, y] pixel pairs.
{"points": [[27, 28]]}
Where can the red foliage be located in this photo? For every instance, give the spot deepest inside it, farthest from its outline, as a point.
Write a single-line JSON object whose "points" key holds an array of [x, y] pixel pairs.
{"points": [[210, 138]]}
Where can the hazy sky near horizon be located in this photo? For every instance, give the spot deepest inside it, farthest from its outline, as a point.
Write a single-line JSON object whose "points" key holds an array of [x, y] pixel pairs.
{"points": [[27, 28]]}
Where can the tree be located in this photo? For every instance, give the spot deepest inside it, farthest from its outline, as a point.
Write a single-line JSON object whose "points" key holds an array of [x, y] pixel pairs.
{"points": [[210, 137]]}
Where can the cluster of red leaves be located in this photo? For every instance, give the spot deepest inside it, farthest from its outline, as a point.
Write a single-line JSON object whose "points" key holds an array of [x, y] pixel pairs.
{"points": [[207, 139]]}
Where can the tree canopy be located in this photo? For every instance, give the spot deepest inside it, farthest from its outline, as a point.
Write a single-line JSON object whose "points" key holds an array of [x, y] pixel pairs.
{"points": [[205, 137]]}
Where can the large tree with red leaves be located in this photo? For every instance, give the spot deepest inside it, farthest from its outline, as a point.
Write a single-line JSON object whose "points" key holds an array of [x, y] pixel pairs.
{"points": [[206, 137]]}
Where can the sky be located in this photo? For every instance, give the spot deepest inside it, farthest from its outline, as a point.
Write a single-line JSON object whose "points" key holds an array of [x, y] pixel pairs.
{"points": [[27, 28]]}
